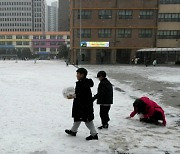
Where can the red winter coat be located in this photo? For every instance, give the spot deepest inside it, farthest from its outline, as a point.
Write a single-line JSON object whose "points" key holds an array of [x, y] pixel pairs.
{"points": [[151, 108]]}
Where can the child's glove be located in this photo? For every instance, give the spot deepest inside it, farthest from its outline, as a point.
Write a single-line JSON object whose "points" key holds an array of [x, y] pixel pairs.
{"points": [[164, 123], [71, 96]]}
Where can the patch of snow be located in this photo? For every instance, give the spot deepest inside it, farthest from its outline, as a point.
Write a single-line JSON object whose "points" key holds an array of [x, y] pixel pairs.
{"points": [[34, 115]]}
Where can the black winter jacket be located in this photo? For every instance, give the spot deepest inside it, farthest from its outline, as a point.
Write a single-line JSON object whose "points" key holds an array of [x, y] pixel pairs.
{"points": [[82, 105], [105, 92]]}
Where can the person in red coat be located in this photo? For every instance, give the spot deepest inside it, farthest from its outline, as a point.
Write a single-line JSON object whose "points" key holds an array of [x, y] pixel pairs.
{"points": [[150, 110]]}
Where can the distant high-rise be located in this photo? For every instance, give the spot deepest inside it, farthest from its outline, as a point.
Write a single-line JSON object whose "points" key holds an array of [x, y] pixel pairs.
{"points": [[38, 12], [52, 17], [64, 13], [22, 15]]}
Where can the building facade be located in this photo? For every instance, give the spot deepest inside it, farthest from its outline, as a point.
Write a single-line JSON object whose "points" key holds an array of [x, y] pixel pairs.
{"points": [[38, 13], [168, 34], [169, 24], [64, 12], [37, 42], [22, 15], [52, 19], [111, 31]]}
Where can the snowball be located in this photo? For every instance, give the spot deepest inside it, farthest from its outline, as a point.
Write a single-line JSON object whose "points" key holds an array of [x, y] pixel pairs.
{"points": [[70, 91]]}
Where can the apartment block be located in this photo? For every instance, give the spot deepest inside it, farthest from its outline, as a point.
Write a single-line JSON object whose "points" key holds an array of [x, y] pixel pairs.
{"points": [[22, 15], [37, 42], [111, 31]]}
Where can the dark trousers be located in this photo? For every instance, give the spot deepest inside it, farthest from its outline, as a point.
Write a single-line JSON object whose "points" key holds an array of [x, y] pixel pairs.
{"points": [[154, 119], [104, 114]]}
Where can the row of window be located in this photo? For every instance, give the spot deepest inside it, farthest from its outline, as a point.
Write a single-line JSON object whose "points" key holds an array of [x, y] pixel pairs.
{"points": [[127, 33], [17, 37], [37, 15], [123, 14], [169, 1], [51, 37], [51, 43], [37, 3], [15, 3], [17, 43], [122, 33], [44, 49], [34, 43], [37, 9], [17, 19], [20, 19], [15, 14], [34, 37], [17, 29], [169, 34], [169, 17], [15, 8], [35, 28], [16, 24]]}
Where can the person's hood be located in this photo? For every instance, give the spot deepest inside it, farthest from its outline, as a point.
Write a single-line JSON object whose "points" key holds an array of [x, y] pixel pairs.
{"points": [[88, 82]]}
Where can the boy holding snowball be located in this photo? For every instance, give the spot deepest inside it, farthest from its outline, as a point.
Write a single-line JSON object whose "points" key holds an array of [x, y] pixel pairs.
{"points": [[83, 105]]}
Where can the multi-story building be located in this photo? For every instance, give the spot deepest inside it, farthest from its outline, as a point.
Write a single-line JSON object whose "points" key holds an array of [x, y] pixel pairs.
{"points": [[169, 28], [64, 12], [22, 15], [38, 13], [52, 17], [169, 23], [37, 42], [168, 34], [111, 31]]}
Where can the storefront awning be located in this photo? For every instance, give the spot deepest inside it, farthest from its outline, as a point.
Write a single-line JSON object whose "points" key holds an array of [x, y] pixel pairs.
{"points": [[158, 49]]}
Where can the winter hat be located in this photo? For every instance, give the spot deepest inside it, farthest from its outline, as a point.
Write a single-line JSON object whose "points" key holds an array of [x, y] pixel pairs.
{"points": [[82, 71], [101, 73]]}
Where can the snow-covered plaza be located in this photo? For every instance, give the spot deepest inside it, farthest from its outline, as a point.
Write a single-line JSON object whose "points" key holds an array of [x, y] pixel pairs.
{"points": [[34, 113]]}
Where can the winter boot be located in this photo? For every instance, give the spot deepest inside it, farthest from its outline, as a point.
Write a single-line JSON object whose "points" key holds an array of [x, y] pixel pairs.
{"points": [[92, 137], [104, 126], [70, 132]]}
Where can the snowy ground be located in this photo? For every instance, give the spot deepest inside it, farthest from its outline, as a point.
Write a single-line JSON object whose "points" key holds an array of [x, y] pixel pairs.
{"points": [[163, 82], [34, 115]]}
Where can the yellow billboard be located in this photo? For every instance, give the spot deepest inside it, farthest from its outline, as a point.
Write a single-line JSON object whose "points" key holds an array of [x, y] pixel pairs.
{"points": [[95, 44]]}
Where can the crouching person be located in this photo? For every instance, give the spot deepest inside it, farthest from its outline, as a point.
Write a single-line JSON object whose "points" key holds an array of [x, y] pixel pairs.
{"points": [[82, 105], [151, 112]]}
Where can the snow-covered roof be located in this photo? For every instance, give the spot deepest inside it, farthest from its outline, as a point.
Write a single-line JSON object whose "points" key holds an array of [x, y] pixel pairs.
{"points": [[159, 49]]}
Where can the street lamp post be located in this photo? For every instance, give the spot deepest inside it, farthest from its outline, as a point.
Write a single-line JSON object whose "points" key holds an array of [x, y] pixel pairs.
{"points": [[80, 39]]}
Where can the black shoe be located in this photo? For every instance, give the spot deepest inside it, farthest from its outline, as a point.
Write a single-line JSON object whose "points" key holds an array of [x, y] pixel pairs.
{"points": [[101, 127], [70, 132], [104, 126], [92, 137]]}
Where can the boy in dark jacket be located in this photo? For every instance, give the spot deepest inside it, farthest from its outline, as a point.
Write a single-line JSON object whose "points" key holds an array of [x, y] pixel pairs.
{"points": [[104, 98], [82, 105]]}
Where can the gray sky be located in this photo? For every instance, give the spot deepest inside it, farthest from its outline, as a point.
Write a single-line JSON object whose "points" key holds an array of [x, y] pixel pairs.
{"points": [[50, 1]]}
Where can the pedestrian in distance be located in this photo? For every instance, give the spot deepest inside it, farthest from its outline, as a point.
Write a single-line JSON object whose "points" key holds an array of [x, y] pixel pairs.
{"points": [[67, 62], [149, 110], [35, 60], [146, 62], [136, 61], [82, 109], [154, 62], [104, 98]]}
